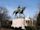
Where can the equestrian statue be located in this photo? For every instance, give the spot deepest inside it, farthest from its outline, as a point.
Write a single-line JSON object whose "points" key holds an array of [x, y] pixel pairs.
{"points": [[19, 10]]}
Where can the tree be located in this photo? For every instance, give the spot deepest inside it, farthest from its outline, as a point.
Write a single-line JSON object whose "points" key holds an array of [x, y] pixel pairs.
{"points": [[38, 19], [4, 18], [3, 13]]}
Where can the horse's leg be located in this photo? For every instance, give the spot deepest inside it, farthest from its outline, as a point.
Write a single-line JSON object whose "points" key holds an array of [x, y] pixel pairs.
{"points": [[15, 15], [19, 15]]}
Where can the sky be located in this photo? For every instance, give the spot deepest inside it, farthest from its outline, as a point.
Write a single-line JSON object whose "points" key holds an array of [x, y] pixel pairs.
{"points": [[11, 5]]}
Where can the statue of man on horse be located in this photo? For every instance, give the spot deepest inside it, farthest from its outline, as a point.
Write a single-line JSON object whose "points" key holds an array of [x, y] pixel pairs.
{"points": [[19, 10]]}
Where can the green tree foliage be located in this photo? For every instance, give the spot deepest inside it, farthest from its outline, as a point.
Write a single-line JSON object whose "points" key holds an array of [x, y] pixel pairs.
{"points": [[29, 28]]}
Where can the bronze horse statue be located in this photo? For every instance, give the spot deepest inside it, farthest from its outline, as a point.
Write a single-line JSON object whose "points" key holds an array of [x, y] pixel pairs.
{"points": [[19, 10]]}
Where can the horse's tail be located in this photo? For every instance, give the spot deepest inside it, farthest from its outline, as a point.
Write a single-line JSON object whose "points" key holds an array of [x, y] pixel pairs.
{"points": [[23, 8]]}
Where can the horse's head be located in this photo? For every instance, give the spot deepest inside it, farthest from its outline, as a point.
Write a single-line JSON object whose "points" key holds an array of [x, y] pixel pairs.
{"points": [[21, 11]]}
